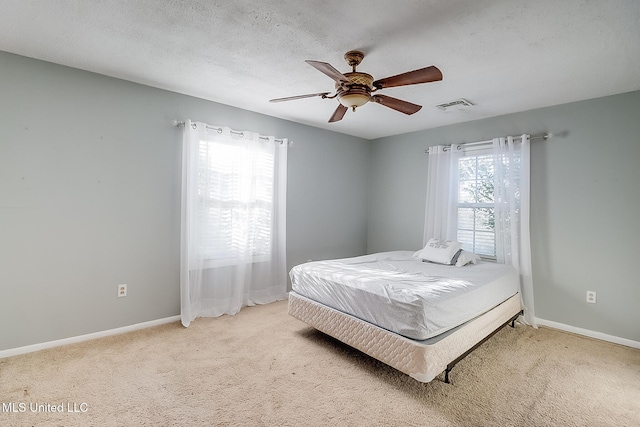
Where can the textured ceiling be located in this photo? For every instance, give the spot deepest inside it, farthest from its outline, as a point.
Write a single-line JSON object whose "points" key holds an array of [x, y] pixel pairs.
{"points": [[503, 55]]}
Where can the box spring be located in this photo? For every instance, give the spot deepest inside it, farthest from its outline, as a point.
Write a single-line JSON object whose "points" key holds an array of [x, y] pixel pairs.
{"points": [[422, 360]]}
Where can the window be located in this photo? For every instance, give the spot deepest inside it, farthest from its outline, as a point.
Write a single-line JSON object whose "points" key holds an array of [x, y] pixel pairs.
{"points": [[476, 210], [235, 202]]}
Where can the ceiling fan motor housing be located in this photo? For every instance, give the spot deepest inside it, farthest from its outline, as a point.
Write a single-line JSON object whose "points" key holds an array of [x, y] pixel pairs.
{"points": [[357, 92]]}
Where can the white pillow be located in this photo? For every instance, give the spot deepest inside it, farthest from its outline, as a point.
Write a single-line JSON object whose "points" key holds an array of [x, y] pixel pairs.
{"points": [[440, 251], [467, 257]]}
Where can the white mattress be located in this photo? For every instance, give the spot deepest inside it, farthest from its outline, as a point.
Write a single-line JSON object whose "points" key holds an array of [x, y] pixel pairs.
{"points": [[402, 294], [422, 360]]}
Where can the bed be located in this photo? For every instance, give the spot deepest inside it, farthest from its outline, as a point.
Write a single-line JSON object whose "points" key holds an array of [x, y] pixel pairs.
{"points": [[419, 317]]}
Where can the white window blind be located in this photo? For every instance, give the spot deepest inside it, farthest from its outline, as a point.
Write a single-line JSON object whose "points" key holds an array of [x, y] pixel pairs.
{"points": [[235, 202]]}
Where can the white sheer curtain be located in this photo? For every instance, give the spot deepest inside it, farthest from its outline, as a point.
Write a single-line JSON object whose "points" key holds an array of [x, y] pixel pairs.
{"points": [[233, 243], [442, 193], [512, 200]]}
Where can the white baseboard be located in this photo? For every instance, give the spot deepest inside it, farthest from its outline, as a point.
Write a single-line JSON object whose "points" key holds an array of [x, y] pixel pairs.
{"points": [[588, 333], [87, 337], [137, 326]]}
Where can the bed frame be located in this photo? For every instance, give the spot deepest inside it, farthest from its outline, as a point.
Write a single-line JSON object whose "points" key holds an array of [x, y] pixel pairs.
{"points": [[422, 360]]}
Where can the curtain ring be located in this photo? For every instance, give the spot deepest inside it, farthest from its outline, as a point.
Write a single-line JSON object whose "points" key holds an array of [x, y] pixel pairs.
{"points": [[194, 126], [241, 134], [219, 130]]}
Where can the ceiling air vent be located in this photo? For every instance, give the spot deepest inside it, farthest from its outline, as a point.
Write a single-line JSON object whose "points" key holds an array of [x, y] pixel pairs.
{"points": [[458, 104]]}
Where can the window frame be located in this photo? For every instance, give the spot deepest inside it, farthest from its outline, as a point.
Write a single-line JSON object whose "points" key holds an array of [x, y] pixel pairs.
{"points": [[210, 260], [478, 151]]}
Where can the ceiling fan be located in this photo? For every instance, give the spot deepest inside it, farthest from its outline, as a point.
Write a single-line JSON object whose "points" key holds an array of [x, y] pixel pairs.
{"points": [[355, 89]]}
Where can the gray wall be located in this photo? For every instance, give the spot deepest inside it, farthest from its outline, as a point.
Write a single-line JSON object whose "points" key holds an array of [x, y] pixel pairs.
{"points": [[90, 198], [584, 201]]}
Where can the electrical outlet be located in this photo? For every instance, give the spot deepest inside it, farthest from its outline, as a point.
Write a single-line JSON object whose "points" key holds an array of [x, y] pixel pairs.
{"points": [[591, 297], [122, 291]]}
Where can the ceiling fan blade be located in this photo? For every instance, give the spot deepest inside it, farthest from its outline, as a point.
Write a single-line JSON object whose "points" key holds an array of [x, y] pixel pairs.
{"points": [[328, 70], [291, 98], [397, 104], [423, 75], [338, 114]]}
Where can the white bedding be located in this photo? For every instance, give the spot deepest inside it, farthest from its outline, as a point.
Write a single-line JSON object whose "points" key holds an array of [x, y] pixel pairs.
{"points": [[402, 294]]}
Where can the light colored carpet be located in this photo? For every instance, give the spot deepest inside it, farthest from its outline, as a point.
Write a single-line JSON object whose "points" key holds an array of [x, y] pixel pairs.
{"points": [[263, 367]]}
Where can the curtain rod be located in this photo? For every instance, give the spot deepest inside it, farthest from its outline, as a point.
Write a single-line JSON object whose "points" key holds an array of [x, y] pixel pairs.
{"points": [[544, 136], [179, 123]]}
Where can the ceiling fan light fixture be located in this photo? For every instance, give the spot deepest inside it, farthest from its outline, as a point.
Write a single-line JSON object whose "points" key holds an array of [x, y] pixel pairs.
{"points": [[353, 100]]}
